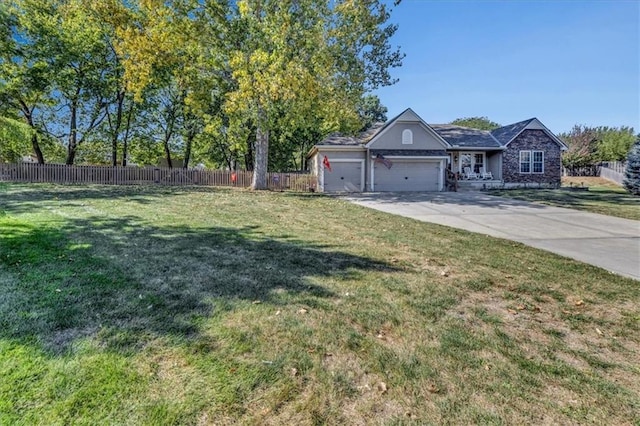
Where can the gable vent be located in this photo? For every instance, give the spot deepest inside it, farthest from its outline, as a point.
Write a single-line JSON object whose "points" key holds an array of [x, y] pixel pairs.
{"points": [[407, 137]]}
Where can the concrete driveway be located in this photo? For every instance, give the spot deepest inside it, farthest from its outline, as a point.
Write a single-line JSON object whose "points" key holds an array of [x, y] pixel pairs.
{"points": [[608, 242]]}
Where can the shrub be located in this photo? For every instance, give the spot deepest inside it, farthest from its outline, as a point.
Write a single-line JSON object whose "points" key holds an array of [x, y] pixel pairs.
{"points": [[632, 174]]}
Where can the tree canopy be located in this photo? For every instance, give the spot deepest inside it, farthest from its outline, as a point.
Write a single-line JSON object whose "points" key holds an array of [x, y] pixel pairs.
{"points": [[218, 82], [590, 145], [481, 123]]}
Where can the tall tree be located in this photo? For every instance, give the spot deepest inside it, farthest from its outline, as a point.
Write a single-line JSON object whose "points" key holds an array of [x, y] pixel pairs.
{"points": [[582, 144], [614, 143], [481, 123], [70, 41], [371, 111], [632, 174], [314, 57], [24, 74], [590, 145]]}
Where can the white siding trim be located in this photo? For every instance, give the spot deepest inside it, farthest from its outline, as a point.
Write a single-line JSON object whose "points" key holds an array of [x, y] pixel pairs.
{"points": [[372, 175], [416, 157]]}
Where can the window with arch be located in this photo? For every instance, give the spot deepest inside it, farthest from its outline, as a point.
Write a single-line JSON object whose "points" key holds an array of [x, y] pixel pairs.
{"points": [[407, 137]]}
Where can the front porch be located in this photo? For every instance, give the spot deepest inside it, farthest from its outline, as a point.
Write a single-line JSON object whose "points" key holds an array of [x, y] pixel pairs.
{"points": [[476, 165], [454, 182], [478, 185]]}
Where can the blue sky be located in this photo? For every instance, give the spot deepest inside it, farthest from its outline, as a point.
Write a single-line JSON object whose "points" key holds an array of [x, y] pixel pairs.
{"points": [[564, 62]]}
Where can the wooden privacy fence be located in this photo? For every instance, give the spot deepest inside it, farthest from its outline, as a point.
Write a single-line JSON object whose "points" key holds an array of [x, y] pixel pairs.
{"points": [[614, 171], [109, 175], [611, 170], [593, 170]]}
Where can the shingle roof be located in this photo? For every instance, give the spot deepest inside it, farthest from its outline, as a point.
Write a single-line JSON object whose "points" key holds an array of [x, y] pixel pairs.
{"points": [[339, 139], [457, 136], [362, 138], [504, 134], [465, 137]]}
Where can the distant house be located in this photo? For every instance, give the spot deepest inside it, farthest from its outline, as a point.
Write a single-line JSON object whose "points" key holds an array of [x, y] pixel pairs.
{"points": [[407, 154]]}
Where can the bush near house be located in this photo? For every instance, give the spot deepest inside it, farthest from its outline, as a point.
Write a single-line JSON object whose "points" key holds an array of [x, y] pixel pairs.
{"points": [[632, 174]]}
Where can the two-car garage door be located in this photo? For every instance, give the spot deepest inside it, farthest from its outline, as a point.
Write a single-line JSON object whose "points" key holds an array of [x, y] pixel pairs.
{"points": [[404, 175], [407, 175]]}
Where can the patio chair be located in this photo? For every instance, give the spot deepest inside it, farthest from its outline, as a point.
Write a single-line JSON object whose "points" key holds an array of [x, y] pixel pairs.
{"points": [[486, 175], [468, 174]]}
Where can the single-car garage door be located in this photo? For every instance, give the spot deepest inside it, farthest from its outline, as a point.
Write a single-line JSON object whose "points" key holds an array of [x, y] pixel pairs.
{"points": [[407, 176], [344, 177]]}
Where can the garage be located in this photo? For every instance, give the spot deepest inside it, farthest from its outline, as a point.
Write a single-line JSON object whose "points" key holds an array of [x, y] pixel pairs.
{"points": [[407, 175], [345, 176]]}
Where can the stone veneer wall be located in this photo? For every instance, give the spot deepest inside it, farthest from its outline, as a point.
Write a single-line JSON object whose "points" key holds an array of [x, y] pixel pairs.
{"points": [[534, 140]]}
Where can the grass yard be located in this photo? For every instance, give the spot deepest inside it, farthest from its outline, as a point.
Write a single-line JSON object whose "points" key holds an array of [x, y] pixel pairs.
{"points": [[603, 197], [165, 306]]}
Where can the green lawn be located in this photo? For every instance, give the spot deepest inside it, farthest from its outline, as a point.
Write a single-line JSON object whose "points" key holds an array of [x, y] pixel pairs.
{"points": [[603, 197], [166, 306]]}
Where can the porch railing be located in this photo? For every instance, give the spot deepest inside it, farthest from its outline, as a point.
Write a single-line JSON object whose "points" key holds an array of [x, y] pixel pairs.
{"points": [[451, 181]]}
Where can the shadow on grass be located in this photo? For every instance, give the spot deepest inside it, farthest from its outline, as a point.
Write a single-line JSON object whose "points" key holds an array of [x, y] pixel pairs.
{"points": [[27, 197], [124, 282]]}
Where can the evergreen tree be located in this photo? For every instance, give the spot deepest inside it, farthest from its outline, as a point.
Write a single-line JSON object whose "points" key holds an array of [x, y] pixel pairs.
{"points": [[632, 175]]}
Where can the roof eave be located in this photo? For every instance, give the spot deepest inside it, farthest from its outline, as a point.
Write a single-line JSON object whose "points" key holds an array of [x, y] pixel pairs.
{"points": [[475, 148]]}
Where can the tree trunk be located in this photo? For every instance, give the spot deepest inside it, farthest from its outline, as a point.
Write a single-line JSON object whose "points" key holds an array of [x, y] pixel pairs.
{"points": [[73, 137], [125, 142], [167, 154], [259, 180], [28, 115], [34, 140], [36, 148], [187, 149], [116, 129]]}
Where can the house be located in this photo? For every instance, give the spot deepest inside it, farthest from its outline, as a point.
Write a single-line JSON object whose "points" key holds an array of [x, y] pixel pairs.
{"points": [[407, 154]]}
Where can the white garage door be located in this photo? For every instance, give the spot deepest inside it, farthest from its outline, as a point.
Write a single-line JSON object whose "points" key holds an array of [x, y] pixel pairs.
{"points": [[343, 177], [407, 176]]}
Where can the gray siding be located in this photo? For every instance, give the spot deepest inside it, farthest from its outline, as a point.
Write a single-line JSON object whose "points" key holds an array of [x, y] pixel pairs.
{"points": [[494, 164], [536, 140], [392, 138], [316, 160]]}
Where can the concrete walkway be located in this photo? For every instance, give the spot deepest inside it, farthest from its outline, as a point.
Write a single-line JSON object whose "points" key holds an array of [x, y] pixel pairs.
{"points": [[608, 242]]}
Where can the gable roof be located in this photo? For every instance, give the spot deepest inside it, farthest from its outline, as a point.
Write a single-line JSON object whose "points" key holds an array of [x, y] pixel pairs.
{"points": [[448, 134], [408, 115], [506, 134], [365, 137], [466, 137]]}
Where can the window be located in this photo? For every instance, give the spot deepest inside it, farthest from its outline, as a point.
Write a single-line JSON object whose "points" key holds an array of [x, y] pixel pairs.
{"points": [[531, 161], [538, 161], [525, 161], [407, 137], [478, 164]]}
